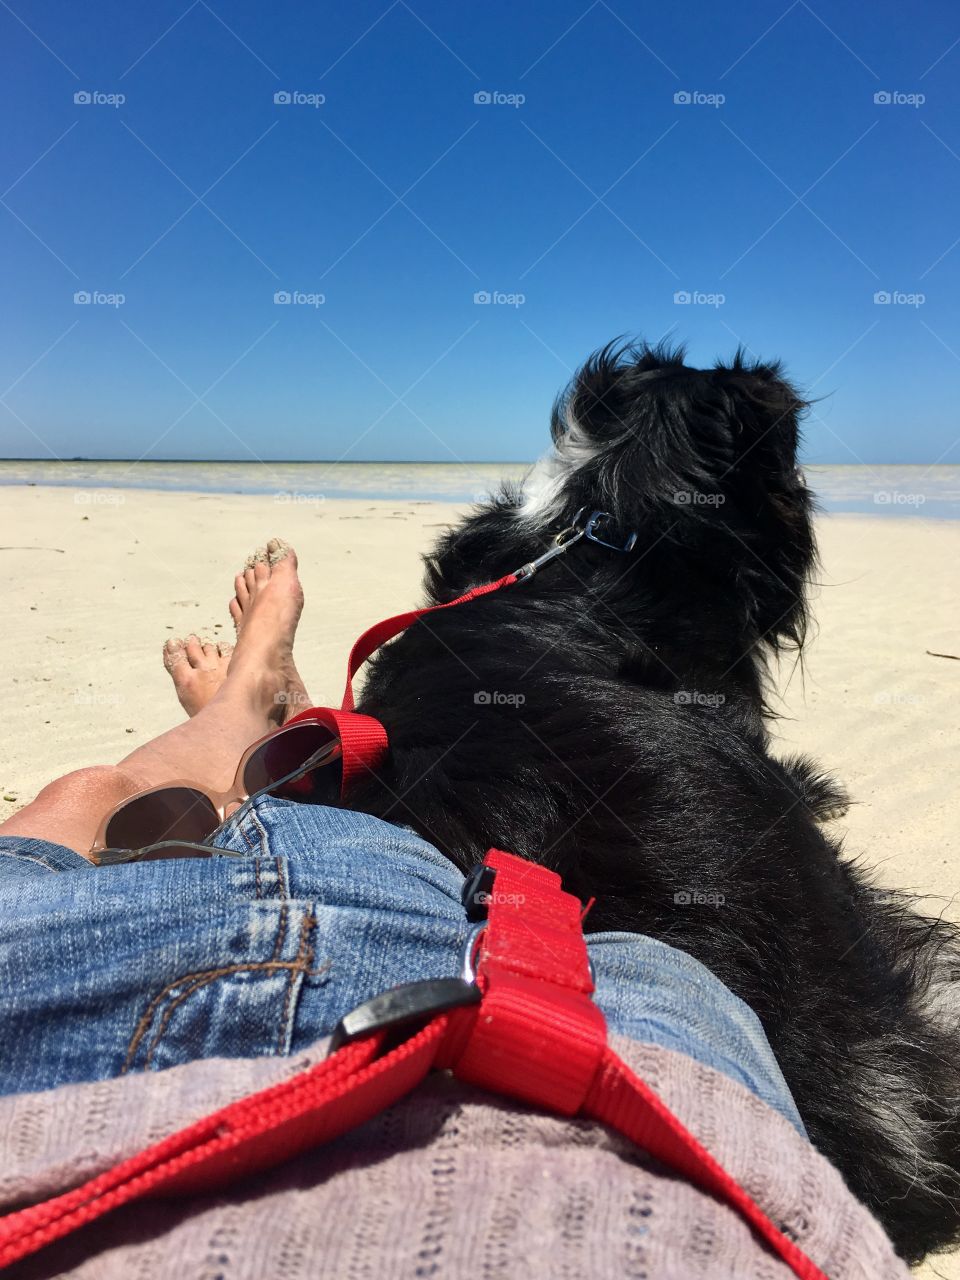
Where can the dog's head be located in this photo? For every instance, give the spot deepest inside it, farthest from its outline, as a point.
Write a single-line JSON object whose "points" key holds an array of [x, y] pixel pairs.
{"points": [[702, 464]]}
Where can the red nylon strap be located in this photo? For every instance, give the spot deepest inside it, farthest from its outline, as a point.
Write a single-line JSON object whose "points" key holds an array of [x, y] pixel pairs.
{"points": [[383, 631], [536, 1036], [539, 1037], [363, 738]]}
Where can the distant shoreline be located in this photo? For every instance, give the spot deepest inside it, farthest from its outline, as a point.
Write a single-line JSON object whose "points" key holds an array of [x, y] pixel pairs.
{"points": [[910, 491]]}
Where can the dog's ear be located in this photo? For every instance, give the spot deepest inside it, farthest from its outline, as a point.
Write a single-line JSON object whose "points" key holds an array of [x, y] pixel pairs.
{"points": [[704, 460], [643, 418]]}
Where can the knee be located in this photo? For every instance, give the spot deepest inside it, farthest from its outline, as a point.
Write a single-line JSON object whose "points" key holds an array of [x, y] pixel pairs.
{"points": [[69, 811], [97, 787]]}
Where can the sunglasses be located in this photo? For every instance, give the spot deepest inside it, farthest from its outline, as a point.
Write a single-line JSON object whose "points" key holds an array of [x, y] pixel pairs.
{"points": [[302, 761]]}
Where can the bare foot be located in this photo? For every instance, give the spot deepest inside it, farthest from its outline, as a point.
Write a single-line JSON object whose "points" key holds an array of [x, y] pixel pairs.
{"points": [[265, 611], [197, 668]]}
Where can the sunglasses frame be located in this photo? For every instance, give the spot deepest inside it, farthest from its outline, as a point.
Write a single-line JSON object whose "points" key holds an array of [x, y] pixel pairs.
{"points": [[220, 800]]}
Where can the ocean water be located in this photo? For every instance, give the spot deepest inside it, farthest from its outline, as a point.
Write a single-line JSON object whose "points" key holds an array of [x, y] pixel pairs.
{"points": [[899, 491]]}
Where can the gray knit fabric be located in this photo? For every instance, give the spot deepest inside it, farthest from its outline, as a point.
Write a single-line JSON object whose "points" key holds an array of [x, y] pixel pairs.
{"points": [[450, 1182]]}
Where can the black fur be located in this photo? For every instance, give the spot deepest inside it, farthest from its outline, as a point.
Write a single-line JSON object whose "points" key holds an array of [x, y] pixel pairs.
{"points": [[638, 763]]}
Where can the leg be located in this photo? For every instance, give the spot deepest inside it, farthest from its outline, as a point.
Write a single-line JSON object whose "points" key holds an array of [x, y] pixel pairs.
{"points": [[262, 683]]}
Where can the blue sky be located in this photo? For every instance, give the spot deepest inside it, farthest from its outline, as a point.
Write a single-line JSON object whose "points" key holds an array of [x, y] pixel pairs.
{"points": [[780, 199]]}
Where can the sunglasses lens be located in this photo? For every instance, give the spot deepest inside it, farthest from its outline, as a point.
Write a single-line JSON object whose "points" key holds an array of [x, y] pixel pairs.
{"points": [[288, 751], [175, 813]]}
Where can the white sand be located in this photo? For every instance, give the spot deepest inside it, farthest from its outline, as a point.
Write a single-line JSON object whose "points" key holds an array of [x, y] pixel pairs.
{"points": [[83, 681]]}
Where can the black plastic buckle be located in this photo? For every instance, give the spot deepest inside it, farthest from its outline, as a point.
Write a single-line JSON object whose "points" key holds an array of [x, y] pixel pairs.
{"points": [[476, 891], [400, 1006]]}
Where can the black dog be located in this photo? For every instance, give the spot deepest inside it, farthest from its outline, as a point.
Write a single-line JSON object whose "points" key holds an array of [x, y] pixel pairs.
{"points": [[606, 717]]}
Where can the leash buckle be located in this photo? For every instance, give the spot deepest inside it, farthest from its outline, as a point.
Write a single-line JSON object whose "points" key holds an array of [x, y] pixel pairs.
{"points": [[400, 1006]]}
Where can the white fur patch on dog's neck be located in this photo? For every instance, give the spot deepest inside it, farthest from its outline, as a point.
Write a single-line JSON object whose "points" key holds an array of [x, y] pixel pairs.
{"points": [[542, 492]]}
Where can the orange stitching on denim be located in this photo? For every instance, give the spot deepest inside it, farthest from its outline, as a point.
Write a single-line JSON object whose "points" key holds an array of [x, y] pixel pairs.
{"points": [[262, 835], [203, 974], [281, 933], [303, 962], [243, 831], [198, 979], [168, 1014]]}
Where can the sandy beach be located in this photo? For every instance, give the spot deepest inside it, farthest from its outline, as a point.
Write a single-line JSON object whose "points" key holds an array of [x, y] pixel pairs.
{"points": [[97, 580]]}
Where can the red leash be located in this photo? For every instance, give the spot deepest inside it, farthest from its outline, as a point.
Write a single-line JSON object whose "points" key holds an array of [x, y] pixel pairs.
{"points": [[363, 739], [527, 1028]]}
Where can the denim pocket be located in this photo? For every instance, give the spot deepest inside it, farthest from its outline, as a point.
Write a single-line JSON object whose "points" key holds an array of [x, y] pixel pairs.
{"points": [[242, 1005]]}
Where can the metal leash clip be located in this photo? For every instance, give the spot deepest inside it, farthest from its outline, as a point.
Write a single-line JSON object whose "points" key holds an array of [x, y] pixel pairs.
{"points": [[566, 538]]}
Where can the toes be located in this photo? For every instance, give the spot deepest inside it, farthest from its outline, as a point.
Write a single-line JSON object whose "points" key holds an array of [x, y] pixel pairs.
{"points": [[261, 572], [240, 586], [210, 650], [256, 557], [173, 653], [278, 550], [224, 648], [236, 613], [251, 580], [194, 650]]}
